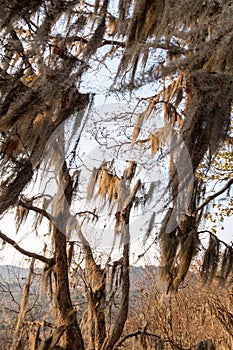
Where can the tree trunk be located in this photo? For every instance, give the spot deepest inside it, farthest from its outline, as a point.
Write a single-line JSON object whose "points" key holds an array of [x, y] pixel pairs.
{"points": [[96, 300], [73, 337]]}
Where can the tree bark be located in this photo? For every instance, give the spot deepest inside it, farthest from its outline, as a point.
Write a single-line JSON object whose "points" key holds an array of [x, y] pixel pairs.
{"points": [[96, 300], [73, 336], [74, 339], [121, 317]]}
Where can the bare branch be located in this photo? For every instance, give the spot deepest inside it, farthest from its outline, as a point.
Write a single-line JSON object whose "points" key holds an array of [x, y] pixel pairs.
{"points": [[26, 252], [215, 237], [87, 212], [28, 205], [210, 198], [143, 332]]}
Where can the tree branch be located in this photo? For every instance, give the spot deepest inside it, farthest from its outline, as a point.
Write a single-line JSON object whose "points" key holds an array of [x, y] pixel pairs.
{"points": [[215, 237], [42, 258], [87, 212], [173, 49], [143, 332], [210, 198], [26, 204]]}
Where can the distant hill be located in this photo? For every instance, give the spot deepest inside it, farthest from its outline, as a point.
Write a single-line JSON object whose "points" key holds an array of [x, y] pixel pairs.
{"points": [[12, 274]]}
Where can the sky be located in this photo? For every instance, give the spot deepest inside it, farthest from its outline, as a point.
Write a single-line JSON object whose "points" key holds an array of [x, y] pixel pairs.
{"points": [[92, 154]]}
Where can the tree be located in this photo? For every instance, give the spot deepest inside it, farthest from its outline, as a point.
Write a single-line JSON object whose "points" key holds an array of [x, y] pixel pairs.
{"points": [[48, 48], [184, 320]]}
